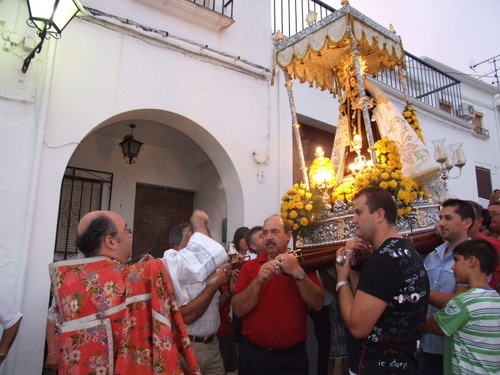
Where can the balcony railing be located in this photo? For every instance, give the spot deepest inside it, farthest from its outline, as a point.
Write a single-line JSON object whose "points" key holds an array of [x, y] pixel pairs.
{"points": [[425, 82], [224, 7], [289, 16], [482, 131]]}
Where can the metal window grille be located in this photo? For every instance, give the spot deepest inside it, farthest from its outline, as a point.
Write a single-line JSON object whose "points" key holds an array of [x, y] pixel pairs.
{"points": [[82, 191]]}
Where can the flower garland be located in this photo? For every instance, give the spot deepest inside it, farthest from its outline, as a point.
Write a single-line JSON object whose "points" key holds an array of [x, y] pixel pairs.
{"points": [[299, 206], [411, 117], [388, 175]]}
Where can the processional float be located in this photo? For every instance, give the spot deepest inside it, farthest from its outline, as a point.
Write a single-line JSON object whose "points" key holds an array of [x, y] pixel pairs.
{"points": [[317, 55]]}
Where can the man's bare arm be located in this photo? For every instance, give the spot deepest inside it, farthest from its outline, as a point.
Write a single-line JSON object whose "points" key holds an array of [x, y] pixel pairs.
{"points": [[244, 301], [199, 222], [52, 351], [312, 294], [8, 337], [194, 309], [440, 299], [431, 326], [360, 312]]}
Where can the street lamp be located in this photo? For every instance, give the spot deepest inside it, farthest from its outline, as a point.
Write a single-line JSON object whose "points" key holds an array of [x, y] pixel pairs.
{"points": [[130, 147], [50, 17]]}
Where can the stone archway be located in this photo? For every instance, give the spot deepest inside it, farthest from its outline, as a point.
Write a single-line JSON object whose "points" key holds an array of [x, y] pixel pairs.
{"points": [[99, 150]]}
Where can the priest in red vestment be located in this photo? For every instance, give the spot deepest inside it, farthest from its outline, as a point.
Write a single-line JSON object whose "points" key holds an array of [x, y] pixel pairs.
{"points": [[117, 319]]}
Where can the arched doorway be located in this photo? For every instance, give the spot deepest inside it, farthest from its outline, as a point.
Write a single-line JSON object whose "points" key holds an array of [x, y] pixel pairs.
{"points": [[170, 159]]}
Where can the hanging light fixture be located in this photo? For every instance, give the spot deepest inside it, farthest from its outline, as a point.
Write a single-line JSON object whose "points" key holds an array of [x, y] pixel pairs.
{"points": [[130, 147], [50, 17], [449, 157]]}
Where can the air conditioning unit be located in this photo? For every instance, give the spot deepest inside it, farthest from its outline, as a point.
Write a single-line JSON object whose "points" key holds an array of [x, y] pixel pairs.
{"points": [[468, 111]]}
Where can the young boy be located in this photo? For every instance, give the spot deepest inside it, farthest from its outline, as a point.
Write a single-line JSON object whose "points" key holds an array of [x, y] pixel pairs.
{"points": [[471, 320]]}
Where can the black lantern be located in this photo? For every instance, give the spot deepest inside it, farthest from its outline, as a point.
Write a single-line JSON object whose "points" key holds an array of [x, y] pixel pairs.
{"points": [[50, 17], [130, 147]]}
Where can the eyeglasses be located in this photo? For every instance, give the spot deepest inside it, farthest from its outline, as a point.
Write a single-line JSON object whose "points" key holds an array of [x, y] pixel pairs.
{"points": [[128, 230], [494, 213]]}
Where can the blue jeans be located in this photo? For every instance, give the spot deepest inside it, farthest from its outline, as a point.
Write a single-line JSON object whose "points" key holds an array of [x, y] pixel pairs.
{"points": [[429, 363]]}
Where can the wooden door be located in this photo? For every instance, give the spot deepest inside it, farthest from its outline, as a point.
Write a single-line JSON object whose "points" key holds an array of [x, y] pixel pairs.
{"points": [[157, 210]]}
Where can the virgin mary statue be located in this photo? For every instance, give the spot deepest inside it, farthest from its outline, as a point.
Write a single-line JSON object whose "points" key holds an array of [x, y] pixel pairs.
{"points": [[386, 121]]}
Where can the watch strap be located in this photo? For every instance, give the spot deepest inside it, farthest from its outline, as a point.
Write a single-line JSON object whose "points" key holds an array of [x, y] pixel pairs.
{"points": [[299, 275]]}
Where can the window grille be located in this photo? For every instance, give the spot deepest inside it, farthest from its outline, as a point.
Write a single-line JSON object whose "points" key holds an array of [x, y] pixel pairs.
{"points": [[82, 191]]}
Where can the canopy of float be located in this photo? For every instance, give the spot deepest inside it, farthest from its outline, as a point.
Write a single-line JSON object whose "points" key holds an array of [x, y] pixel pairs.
{"points": [[315, 53]]}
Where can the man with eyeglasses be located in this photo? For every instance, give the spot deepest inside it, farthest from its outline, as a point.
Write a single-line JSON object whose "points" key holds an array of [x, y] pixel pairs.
{"points": [[494, 228], [117, 319]]}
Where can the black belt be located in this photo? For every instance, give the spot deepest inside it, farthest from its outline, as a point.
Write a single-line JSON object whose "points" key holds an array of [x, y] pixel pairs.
{"points": [[276, 350], [205, 340]]}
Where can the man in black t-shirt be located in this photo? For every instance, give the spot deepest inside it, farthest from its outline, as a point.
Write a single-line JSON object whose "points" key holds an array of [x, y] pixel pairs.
{"points": [[386, 311]]}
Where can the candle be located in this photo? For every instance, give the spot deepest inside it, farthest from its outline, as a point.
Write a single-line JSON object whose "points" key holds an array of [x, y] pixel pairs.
{"points": [[319, 152], [460, 157], [448, 164], [357, 142], [441, 155]]}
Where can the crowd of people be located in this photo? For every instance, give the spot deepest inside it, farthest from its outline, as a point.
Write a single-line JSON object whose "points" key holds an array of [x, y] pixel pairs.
{"points": [[192, 311]]}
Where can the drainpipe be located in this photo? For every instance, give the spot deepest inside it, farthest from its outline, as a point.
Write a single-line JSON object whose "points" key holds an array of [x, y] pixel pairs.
{"points": [[41, 112], [496, 109]]}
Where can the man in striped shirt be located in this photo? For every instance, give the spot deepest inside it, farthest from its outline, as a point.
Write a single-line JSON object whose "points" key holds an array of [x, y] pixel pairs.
{"points": [[471, 320]]}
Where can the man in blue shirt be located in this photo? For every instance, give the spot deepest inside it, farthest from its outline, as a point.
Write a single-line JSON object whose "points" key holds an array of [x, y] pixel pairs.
{"points": [[456, 218]]}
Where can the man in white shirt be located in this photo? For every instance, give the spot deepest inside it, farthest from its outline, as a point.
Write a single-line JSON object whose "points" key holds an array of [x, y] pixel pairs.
{"points": [[198, 297], [10, 319]]}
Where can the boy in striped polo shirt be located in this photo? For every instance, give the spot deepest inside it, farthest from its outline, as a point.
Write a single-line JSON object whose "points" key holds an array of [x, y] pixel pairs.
{"points": [[471, 320]]}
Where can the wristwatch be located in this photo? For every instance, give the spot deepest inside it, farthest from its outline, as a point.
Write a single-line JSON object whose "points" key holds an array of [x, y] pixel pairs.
{"points": [[299, 275], [340, 284], [2, 357]]}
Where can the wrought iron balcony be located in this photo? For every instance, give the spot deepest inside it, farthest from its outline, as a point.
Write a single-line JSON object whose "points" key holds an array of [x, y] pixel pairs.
{"points": [[224, 7], [289, 16], [482, 131], [425, 82]]}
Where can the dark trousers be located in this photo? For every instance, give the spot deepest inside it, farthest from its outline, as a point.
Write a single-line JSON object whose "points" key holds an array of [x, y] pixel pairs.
{"points": [[429, 363], [257, 360], [237, 326], [322, 331], [227, 346]]}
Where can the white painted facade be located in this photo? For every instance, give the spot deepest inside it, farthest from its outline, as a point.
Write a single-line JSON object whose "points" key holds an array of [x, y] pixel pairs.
{"points": [[204, 106]]}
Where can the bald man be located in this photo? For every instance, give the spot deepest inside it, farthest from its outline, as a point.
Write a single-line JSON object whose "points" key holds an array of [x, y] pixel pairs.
{"points": [[117, 319]]}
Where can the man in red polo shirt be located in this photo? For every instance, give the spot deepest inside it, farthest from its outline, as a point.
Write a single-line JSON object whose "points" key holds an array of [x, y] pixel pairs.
{"points": [[272, 296]]}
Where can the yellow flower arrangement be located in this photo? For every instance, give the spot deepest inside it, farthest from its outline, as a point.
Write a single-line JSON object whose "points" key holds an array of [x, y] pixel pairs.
{"points": [[411, 117], [322, 173], [388, 175], [299, 206]]}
